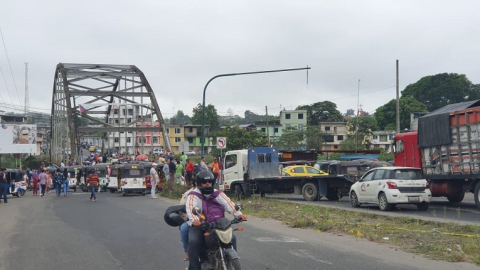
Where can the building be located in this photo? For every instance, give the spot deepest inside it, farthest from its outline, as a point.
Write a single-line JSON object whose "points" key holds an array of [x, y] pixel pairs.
{"points": [[383, 139], [333, 134], [274, 129], [293, 119]]}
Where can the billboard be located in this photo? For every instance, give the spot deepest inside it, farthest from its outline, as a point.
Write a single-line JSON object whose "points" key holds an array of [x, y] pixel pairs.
{"points": [[18, 139]]}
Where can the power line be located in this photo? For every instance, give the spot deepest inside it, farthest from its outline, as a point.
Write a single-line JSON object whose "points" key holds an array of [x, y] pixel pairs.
{"points": [[11, 71]]}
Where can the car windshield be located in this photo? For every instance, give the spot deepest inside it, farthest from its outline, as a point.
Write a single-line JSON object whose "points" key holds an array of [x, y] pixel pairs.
{"points": [[406, 174]]}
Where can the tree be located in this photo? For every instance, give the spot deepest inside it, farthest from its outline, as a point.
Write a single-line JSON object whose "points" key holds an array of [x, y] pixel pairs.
{"points": [[386, 114], [442, 89], [325, 111], [212, 119], [360, 130], [313, 137], [291, 139], [180, 118], [238, 138]]}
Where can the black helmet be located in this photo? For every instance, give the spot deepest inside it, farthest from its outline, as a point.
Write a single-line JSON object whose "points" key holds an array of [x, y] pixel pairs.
{"points": [[203, 177]]}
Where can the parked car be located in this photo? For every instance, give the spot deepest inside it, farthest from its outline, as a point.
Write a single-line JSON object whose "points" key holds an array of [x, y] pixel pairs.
{"points": [[302, 170], [389, 186], [92, 148], [157, 151], [189, 152]]}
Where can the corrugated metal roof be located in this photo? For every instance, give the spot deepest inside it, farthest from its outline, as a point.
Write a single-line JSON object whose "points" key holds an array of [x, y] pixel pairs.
{"points": [[454, 107]]}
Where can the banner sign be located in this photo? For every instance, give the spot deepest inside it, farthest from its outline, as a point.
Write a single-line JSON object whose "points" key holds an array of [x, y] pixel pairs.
{"points": [[18, 139]]}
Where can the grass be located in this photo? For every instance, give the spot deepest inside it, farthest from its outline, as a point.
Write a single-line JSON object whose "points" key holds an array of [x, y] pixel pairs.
{"points": [[436, 240]]}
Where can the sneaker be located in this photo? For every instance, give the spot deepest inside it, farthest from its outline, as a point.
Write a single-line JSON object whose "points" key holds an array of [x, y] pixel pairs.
{"points": [[94, 200], [154, 197], [186, 257]]}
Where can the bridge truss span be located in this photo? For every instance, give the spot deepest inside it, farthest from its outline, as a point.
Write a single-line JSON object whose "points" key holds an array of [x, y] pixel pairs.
{"points": [[112, 102]]}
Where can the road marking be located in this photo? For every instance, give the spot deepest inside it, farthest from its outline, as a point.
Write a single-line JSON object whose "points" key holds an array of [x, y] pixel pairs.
{"points": [[302, 253], [282, 239]]}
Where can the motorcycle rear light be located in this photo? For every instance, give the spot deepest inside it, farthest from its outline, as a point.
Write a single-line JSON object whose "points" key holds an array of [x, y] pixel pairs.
{"points": [[125, 183], [206, 234], [392, 185]]}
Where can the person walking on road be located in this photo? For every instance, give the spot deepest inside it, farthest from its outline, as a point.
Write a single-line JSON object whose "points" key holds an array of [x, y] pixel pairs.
{"points": [[35, 182], [3, 186], [154, 179], [58, 180], [43, 181], [93, 180]]}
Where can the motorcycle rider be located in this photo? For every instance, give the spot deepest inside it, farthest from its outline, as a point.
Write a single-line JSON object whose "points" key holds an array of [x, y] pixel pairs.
{"points": [[205, 181]]}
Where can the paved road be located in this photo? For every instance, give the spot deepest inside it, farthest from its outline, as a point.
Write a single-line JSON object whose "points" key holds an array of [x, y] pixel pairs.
{"points": [[440, 209], [129, 233]]}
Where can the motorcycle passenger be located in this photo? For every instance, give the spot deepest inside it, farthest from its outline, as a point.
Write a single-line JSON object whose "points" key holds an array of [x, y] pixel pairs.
{"points": [[205, 181]]}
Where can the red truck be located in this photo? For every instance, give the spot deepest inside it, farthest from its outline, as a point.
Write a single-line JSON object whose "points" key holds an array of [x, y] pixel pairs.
{"points": [[447, 148]]}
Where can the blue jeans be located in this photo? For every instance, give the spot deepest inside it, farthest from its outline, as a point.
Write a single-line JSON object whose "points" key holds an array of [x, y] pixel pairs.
{"points": [[58, 188], [93, 196], [65, 186], [3, 191], [184, 236]]}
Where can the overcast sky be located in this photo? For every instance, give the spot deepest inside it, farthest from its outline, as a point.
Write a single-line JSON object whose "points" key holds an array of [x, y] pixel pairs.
{"points": [[180, 45]]}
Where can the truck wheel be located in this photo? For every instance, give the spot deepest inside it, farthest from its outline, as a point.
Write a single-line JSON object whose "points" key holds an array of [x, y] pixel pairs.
{"points": [[457, 198], [333, 194], [310, 192], [477, 194], [383, 202], [238, 192]]}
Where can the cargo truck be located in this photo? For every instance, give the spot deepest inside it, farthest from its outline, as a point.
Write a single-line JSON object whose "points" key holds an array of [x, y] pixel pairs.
{"points": [[446, 147]]}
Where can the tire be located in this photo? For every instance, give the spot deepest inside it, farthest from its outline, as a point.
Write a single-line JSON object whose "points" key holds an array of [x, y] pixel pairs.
{"points": [[124, 194], [383, 203], [112, 190], [310, 192], [423, 206], [238, 192], [233, 264], [143, 193], [476, 193], [354, 200], [457, 198], [333, 194], [22, 192]]}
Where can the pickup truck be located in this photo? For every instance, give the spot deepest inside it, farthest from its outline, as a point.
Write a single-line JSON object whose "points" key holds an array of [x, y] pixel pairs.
{"points": [[257, 171]]}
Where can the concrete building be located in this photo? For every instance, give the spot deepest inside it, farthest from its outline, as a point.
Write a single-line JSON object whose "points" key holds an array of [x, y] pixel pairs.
{"points": [[274, 129], [383, 139], [293, 119], [333, 134]]}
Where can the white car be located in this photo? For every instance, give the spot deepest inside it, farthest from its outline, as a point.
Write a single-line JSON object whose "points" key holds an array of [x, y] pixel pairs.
{"points": [[189, 152], [389, 186]]}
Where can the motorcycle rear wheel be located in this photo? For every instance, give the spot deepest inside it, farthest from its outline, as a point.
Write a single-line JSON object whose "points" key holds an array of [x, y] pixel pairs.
{"points": [[233, 264]]}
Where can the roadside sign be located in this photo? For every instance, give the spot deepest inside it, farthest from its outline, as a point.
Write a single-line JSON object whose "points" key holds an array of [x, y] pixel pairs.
{"points": [[221, 142]]}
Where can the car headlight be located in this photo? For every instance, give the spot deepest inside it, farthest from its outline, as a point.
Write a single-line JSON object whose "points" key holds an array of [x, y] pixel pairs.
{"points": [[225, 236]]}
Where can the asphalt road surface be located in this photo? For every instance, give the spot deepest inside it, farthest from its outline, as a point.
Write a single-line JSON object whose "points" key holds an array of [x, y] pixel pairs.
{"points": [[129, 233], [440, 208]]}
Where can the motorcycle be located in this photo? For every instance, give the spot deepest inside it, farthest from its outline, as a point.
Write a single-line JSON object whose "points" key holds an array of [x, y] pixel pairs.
{"points": [[220, 253]]}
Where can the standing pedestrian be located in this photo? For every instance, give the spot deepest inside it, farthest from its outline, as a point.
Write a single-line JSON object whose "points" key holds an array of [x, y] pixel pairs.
{"points": [[3, 185], [189, 167], [58, 180], [93, 180], [179, 174], [35, 182], [43, 181], [203, 164], [66, 182], [171, 169], [215, 169], [154, 179], [183, 159]]}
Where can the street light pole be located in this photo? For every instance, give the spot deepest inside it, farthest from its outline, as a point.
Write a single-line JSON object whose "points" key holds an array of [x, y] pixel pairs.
{"points": [[358, 105], [233, 74]]}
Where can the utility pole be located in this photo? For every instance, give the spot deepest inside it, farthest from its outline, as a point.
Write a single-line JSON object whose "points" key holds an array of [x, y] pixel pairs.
{"points": [[398, 103], [356, 126], [268, 129], [27, 102]]}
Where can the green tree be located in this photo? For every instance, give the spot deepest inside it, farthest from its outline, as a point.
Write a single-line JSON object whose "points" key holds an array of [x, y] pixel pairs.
{"points": [[325, 111], [238, 138], [386, 114], [291, 139], [360, 130], [384, 155], [212, 119], [313, 137], [180, 118], [442, 89]]}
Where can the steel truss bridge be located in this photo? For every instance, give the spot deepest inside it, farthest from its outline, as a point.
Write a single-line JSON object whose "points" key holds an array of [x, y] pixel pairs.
{"points": [[111, 99]]}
